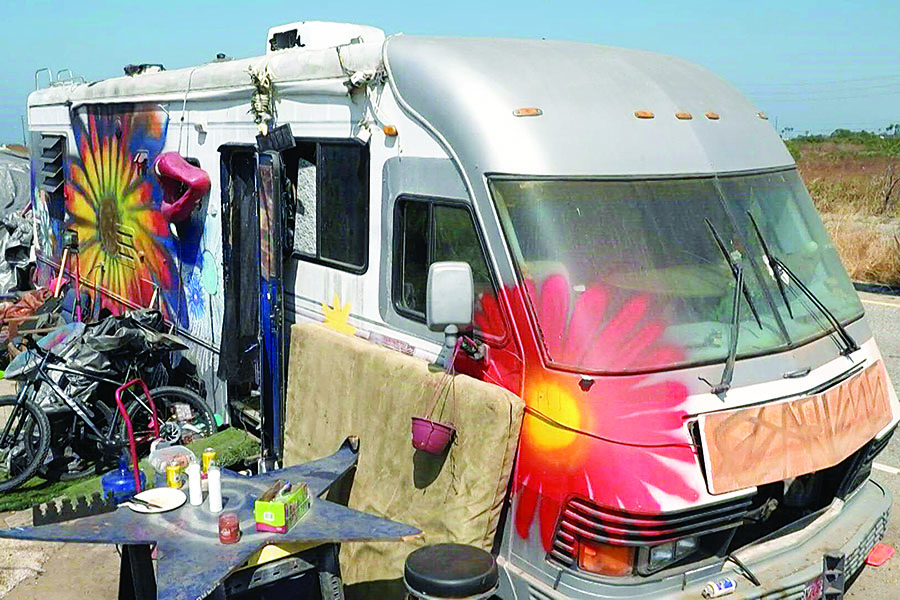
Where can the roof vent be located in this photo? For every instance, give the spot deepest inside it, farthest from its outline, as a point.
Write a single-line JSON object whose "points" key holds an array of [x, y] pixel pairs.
{"points": [[132, 70], [282, 40], [319, 34]]}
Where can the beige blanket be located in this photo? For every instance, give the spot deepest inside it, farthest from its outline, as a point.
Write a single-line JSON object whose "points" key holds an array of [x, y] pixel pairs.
{"points": [[339, 385]]}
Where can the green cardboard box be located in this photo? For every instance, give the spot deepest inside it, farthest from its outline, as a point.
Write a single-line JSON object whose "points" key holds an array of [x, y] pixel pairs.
{"points": [[283, 512]]}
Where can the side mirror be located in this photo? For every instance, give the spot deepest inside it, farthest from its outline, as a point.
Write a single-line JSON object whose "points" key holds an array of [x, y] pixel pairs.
{"points": [[449, 304]]}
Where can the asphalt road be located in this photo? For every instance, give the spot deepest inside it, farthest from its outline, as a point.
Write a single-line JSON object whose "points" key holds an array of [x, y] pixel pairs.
{"points": [[876, 583]]}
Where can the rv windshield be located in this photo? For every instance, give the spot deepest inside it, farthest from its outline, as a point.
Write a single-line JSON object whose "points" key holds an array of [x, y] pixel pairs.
{"points": [[625, 275]]}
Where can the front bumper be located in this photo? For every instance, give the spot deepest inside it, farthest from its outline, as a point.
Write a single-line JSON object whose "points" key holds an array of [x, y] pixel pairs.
{"points": [[785, 565]]}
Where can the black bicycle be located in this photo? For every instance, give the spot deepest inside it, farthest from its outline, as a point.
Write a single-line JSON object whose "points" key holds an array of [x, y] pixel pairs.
{"points": [[58, 435]]}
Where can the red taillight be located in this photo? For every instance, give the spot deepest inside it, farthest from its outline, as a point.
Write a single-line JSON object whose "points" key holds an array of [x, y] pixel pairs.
{"points": [[605, 559]]}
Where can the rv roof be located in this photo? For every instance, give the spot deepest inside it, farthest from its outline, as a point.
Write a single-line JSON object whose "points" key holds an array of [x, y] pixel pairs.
{"points": [[588, 94], [315, 70], [589, 97]]}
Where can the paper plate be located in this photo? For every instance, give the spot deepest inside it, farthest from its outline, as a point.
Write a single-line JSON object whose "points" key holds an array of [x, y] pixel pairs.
{"points": [[167, 498]]}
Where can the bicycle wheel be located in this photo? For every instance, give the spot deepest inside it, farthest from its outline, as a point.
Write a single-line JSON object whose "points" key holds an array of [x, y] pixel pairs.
{"points": [[183, 417], [20, 459]]}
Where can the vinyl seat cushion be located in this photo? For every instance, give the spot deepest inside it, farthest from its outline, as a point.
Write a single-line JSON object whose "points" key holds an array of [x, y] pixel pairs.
{"points": [[451, 571]]}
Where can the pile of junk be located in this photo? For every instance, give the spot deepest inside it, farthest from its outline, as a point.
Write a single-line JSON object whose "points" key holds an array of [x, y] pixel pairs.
{"points": [[18, 298]]}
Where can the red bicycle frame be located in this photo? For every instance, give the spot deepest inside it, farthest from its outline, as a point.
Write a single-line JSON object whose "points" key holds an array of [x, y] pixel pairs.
{"points": [[154, 423]]}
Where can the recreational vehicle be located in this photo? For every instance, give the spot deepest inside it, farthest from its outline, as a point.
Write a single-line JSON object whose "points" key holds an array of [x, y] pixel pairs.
{"points": [[702, 395]]}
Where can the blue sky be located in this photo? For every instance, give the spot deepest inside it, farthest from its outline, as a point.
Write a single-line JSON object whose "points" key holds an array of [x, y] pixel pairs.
{"points": [[812, 65]]}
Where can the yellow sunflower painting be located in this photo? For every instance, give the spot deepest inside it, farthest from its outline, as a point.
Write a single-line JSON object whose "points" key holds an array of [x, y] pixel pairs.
{"points": [[113, 203]]}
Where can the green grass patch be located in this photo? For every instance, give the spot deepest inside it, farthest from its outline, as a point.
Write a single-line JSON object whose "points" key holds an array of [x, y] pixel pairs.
{"points": [[233, 445]]}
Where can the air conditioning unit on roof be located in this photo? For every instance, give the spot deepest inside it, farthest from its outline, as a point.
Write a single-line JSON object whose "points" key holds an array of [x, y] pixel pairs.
{"points": [[319, 34]]}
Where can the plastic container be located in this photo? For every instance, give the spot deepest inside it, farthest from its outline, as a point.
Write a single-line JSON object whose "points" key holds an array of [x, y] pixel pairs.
{"points": [[161, 454], [431, 436], [120, 482]]}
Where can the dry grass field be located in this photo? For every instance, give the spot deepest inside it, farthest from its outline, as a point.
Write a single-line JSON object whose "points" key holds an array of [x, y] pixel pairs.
{"points": [[854, 179]]}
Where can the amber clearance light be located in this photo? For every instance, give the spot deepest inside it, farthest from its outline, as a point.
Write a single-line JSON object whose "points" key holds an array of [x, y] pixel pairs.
{"points": [[528, 112], [605, 559]]}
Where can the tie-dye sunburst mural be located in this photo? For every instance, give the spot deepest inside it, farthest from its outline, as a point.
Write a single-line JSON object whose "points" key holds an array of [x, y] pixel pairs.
{"points": [[113, 203]]}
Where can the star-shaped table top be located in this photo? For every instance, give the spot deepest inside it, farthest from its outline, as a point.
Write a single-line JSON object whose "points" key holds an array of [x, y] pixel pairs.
{"points": [[191, 560]]}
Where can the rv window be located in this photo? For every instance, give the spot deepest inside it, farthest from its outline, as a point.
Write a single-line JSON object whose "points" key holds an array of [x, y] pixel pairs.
{"points": [[428, 232], [330, 184]]}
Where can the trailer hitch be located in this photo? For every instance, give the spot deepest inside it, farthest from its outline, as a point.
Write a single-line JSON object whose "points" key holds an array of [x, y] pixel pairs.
{"points": [[833, 576]]}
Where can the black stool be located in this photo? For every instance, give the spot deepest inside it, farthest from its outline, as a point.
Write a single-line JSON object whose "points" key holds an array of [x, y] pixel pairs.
{"points": [[450, 571]]}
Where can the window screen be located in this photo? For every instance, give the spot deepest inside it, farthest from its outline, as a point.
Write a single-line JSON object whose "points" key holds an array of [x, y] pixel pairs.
{"points": [[342, 190], [330, 189]]}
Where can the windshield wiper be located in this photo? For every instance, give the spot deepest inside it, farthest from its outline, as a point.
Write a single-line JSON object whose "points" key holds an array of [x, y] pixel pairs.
{"points": [[734, 270], [770, 260], [737, 269], [779, 268]]}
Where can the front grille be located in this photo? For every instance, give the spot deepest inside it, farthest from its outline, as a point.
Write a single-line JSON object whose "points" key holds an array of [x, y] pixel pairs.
{"points": [[584, 519], [857, 557], [535, 594], [860, 465], [877, 446]]}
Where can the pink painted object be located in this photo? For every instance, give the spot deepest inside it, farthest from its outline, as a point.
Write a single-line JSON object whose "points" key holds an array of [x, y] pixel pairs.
{"points": [[431, 436], [271, 528], [182, 181]]}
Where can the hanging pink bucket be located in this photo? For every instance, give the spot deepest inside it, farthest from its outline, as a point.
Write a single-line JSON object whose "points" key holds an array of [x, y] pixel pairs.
{"points": [[431, 436]]}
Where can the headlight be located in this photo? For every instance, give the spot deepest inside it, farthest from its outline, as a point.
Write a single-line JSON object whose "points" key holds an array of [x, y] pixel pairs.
{"points": [[656, 558]]}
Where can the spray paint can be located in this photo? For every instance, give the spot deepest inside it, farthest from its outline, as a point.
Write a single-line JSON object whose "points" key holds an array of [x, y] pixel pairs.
{"points": [[720, 588]]}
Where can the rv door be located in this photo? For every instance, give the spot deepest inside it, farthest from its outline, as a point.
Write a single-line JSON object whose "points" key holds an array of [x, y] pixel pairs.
{"points": [[252, 350]]}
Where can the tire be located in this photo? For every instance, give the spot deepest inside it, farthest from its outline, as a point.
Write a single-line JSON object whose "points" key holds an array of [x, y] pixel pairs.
{"points": [[172, 425], [20, 460]]}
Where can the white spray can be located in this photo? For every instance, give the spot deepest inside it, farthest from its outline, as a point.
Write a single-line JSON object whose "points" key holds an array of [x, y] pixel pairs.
{"points": [[720, 588]]}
